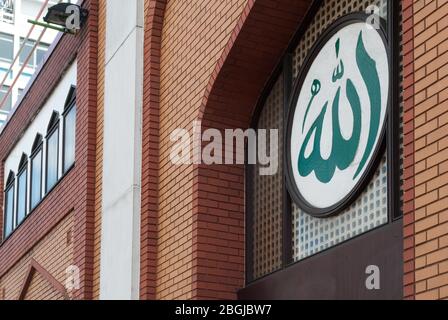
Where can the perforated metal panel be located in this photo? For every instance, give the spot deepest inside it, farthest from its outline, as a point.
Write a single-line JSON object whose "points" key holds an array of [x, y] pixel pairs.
{"points": [[267, 194], [311, 235], [330, 11]]}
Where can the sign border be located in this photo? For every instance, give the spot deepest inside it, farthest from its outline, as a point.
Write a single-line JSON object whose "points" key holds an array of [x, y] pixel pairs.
{"points": [[380, 148]]}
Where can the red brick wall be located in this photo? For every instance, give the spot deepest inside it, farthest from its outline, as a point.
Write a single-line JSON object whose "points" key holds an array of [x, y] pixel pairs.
{"points": [[54, 253], [86, 151], [193, 217], [232, 94], [408, 147], [76, 191], [154, 13], [430, 144], [192, 38], [99, 146]]}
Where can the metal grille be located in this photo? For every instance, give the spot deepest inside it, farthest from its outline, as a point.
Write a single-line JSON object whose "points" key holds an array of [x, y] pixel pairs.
{"points": [[330, 11], [311, 235], [268, 194]]}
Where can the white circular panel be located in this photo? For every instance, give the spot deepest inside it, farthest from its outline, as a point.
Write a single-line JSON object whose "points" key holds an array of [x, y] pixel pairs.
{"points": [[339, 115]]}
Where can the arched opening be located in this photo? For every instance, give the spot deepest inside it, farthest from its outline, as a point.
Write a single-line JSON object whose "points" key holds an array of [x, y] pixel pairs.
{"points": [[244, 82], [255, 49]]}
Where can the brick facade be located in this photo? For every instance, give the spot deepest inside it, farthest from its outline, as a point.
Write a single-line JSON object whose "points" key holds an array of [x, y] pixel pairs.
{"points": [[202, 29], [195, 217], [408, 148], [154, 12], [99, 146], [74, 195], [214, 217], [430, 145], [54, 253], [210, 61]]}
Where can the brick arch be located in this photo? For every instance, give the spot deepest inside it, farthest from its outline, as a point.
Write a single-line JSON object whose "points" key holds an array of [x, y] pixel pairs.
{"points": [[256, 46]]}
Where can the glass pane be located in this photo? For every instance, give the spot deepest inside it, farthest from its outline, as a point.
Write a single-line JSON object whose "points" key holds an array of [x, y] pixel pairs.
{"points": [[52, 160], [6, 47], [36, 179], [21, 197], [25, 52], [40, 53], [9, 211], [69, 139], [267, 193], [8, 103], [312, 235]]}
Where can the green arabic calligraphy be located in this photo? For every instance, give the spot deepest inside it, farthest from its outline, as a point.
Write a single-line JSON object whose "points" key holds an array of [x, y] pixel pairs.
{"points": [[343, 151]]}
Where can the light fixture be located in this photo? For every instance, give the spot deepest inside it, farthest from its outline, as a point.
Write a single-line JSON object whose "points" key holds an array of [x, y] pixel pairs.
{"points": [[64, 17]]}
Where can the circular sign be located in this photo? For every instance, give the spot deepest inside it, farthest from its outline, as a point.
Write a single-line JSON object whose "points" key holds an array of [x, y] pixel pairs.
{"points": [[337, 117]]}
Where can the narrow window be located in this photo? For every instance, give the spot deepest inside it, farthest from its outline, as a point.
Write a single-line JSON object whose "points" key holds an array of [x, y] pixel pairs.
{"points": [[9, 206], [52, 152], [36, 173], [21, 190], [69, 132]]}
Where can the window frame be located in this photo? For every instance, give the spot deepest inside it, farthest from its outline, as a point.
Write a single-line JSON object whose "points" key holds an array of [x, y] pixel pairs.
{"points": [[10, 185], [23, 169], [53, 128], [4, 37], [71, 107], [32, 63], [391, 140], [38, 147]]}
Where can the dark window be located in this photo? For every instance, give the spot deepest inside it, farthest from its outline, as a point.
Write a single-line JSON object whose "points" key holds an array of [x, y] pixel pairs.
{"points": [[52, 152], [69, 138], [36, 173], [52, 159], [6, 47], [21, 191], [9, 206]]}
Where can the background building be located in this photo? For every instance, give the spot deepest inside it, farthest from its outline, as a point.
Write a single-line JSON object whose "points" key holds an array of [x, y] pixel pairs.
{"points": [[14, 27], [94, 208]]}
